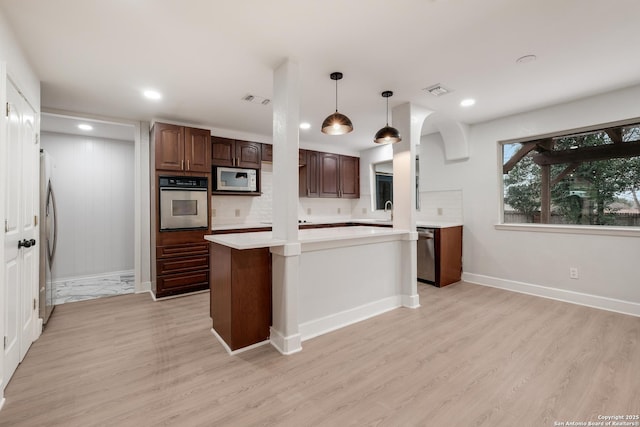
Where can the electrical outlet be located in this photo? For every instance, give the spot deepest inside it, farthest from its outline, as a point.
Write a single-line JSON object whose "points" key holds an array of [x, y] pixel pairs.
{"points": [[213, 212], [339, 210], [237, 212], [439, 211], [573, 272], [308, 211]]}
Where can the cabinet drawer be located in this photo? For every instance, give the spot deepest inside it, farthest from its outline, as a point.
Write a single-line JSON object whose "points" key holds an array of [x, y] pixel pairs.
{"points": [[190, 249], [178, 265], [185, 280]]}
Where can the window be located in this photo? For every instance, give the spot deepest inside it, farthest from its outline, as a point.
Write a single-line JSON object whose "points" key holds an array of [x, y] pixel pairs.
{"points": [[384, 183], [587, 178], [383, 175]]}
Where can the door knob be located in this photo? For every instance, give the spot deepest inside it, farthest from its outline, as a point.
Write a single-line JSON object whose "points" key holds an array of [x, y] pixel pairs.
{"points": [[26, 243]]}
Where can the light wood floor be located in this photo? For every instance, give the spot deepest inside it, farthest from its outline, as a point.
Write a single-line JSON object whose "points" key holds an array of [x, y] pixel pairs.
{"points": [[469, 356]]}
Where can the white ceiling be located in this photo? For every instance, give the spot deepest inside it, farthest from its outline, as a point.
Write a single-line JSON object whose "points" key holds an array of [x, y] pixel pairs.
{"points": [[96, 57]]}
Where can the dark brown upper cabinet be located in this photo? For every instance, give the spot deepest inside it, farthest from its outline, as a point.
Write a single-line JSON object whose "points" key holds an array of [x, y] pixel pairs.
{"points": [[267, 153], [349, 177], [231, 152], [309, 175], [329, 167], [329, 175], [180, 148]]}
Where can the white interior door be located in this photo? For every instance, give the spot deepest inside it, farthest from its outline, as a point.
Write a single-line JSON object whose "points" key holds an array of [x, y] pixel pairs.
{"points": [[21, 262], [30, 209]]}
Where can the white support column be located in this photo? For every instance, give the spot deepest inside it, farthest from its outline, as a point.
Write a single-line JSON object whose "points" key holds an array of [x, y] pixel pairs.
{"points": [[408, 119], [142, 243], [285, 334]]}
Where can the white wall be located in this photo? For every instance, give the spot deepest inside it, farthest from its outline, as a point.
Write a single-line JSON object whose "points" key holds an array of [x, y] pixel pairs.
{"points": [[535, 261], [94, 189], [439, 200]]}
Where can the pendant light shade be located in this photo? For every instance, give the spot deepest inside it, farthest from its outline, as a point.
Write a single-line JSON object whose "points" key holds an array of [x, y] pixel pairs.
{"points": [[388, 134], [337, 123]]}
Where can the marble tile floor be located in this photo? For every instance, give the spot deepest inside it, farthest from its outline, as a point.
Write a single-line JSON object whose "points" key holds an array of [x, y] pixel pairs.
{"points": [[96, 287]]}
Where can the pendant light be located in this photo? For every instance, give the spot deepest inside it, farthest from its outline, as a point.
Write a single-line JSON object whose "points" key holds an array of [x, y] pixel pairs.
{"points": [[336, 123], [388, 134]]}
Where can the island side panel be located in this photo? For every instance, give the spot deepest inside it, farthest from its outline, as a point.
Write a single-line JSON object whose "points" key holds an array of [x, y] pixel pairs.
{"points": [[450, 255], [251, 296], [220, 273]]}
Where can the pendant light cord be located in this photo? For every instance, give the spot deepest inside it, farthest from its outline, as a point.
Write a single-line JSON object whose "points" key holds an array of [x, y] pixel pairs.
{"points": [[387, 111], [336, 95]]}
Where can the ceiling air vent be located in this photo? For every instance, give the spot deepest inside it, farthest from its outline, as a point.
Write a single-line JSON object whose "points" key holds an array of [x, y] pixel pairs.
{"points": [[437, 90], [254, 99]]}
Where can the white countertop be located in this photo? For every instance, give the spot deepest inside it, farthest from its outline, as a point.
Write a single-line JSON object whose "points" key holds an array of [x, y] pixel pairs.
{"points": [[437, 224], [428, 224], [264, 239]]}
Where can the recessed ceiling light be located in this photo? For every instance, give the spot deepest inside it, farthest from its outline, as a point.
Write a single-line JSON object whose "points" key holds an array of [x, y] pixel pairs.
{"points": [[152, 94], [84, 126], [467, 102], [526, 58], [305, 125]]}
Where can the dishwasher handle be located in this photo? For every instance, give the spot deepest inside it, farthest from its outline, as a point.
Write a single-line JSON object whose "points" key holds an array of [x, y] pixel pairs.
{"points": [[425, 233]]}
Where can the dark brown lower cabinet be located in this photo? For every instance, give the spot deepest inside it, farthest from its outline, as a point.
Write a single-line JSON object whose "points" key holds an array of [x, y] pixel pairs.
{"points": [[240, 294], [448, 255], [181, 268]]}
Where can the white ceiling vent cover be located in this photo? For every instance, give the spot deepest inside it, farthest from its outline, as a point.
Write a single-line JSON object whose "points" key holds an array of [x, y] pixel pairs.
{"points": [[437, 90], [254, 99]]}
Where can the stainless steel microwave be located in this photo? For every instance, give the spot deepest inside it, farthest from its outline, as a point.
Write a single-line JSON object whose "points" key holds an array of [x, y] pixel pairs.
{"points": [[235, 179]]}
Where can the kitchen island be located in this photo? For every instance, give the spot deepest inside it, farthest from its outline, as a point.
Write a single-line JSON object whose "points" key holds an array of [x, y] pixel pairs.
{"points": [[345, 274]]}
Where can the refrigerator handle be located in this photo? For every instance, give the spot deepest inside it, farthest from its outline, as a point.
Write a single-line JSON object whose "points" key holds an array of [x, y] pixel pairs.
{"points": [[51, 200]]}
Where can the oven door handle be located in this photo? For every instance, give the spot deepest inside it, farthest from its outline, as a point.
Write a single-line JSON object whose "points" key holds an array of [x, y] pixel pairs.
{"points": [[182, 189]]}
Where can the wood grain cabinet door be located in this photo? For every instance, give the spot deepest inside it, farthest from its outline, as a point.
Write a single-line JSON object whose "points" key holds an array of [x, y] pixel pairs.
{"points": [[197, 146], [222, 151], [313, 174], [349, 177], [329, 165], [248, 154], [267, 153], [169, 142]]}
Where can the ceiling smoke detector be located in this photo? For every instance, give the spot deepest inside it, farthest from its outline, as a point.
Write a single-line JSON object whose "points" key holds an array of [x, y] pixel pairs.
{"points": [[256, 99], [437, 90]]}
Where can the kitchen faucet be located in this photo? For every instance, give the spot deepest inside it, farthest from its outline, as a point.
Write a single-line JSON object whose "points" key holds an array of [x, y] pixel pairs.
{"points": [[387, 203]]}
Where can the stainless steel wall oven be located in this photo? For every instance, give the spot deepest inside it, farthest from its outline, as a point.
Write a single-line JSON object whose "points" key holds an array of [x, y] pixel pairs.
{"points": [[183, 202]]}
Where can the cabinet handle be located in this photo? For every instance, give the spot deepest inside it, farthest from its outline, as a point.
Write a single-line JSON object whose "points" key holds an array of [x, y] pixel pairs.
{"points": [[188, 168], [182, 165]]}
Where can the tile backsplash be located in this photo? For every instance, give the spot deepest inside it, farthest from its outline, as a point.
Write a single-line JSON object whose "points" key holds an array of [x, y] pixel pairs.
{"points": [[256, 209], [227, 210]]}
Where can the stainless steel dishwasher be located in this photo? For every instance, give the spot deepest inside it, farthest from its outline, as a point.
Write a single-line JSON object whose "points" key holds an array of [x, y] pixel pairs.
{"points": [[426, 255]]}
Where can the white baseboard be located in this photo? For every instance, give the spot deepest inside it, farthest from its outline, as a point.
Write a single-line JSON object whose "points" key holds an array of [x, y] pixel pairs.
{"points": [[588, 300], [411, 301], [143, 287], [320, 326], [95, 276], [240, 350], [285, 345]]}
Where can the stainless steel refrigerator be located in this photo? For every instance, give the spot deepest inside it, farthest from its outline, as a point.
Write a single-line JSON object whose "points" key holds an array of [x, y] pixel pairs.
{"points": [[48, 236]]}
